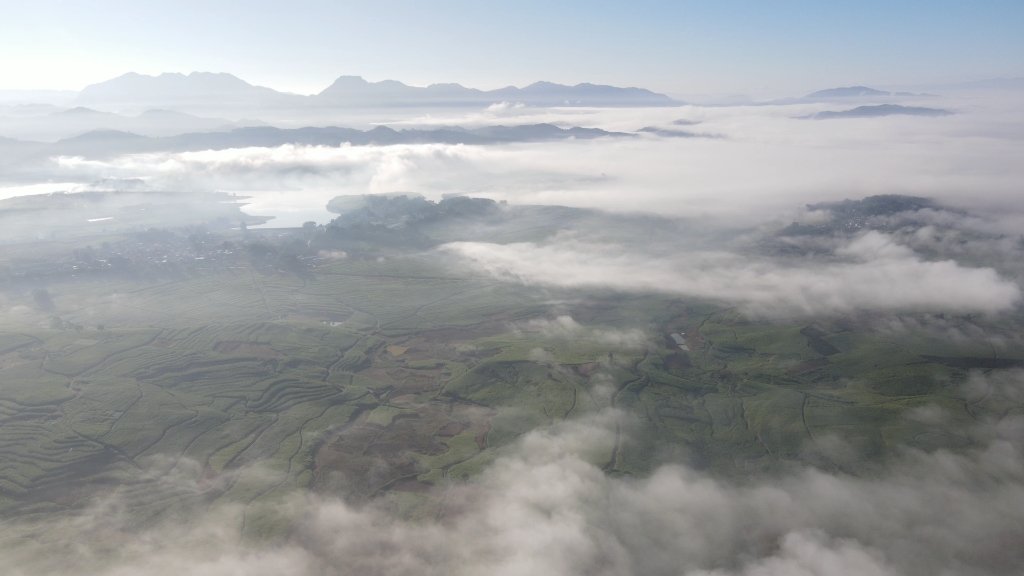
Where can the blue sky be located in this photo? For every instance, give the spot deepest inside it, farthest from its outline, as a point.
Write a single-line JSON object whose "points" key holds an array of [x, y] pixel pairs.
{"points": [[675, 47]]}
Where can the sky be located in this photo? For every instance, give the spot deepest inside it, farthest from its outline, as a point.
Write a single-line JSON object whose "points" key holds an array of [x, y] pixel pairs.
{"points": [[681, 47]]}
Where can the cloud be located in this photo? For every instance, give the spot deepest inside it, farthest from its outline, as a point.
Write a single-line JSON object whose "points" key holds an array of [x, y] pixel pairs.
{"points": [[293, 183], [39, 188], [545, 508], [767, 164], [381, 164], [876, 274], [1006, 385], [958, 331], [504, 106]]}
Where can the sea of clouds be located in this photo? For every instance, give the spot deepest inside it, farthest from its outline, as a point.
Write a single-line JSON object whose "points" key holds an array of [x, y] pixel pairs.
{"points": [[874, 273], [745, 166], [545, 507], [760, 161]]}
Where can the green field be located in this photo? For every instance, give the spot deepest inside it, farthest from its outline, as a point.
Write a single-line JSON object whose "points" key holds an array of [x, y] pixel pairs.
{"points": [[393, 375]]}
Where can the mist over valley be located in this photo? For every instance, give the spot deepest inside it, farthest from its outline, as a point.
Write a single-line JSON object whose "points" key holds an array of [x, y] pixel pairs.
{"points": [[666, 315]]}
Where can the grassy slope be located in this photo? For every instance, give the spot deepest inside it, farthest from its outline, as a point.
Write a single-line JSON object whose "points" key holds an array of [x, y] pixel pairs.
{"points": [[395, 377]]}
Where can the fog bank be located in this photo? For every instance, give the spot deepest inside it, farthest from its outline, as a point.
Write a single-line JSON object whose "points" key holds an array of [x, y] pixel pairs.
{"points": [[874, 273], [543, 507]]}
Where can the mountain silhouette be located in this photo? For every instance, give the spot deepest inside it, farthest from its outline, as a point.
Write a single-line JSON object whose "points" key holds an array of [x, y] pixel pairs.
{"points": [[883, 110], [104, 143], [205, 90], [848, 92]]}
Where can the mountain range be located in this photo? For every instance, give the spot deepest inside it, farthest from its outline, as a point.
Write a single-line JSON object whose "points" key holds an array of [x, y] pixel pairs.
{"points": [[102, 143], [206, 90], [847, 92], [883, 110], [222, 94]]}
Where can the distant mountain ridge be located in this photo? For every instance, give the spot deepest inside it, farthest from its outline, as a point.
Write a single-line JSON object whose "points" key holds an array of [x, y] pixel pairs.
{"points": [[197, 90], [102, 143], [848, 92], [855, 92], [172, 85], [883, 110], [205, 89], [357, 90]]}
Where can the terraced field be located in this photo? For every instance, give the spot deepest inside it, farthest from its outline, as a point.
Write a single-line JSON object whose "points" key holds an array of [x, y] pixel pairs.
{"points": [[396, 375], [355, 380]]}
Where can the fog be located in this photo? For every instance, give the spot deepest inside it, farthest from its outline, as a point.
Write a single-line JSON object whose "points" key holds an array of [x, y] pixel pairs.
{"points": [[544, 508], [731, 211], [761, 160], [877, 274]]}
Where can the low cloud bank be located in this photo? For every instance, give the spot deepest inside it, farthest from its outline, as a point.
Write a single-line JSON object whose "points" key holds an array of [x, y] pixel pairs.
{"points": [[545, 509], [872, 273], [767, 163], [286, 165]]}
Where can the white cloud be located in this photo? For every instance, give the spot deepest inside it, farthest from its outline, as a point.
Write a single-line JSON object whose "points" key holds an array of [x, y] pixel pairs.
{"points": [[878, 274], [768, 163], [29, 189], [504, 106], [545, 509]]}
